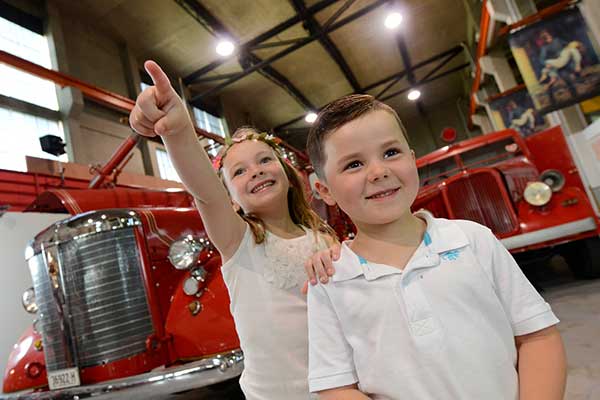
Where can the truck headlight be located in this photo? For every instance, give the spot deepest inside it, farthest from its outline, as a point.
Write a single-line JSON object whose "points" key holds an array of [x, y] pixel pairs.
{"points": [[184, 253], [28, 301], [553, 178], [537, 193]]}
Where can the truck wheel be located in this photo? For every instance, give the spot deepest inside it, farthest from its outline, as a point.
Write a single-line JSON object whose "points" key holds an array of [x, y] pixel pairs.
{"points": [[583, 257]]}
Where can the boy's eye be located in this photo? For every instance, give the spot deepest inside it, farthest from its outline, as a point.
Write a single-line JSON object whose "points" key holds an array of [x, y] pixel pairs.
{"points": [[265, 160], [352, 165], [390, 153]]}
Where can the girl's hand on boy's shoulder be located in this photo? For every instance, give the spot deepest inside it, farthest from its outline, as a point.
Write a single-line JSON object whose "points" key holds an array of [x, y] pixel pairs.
{"points": [[158, 109], [320, 266]]}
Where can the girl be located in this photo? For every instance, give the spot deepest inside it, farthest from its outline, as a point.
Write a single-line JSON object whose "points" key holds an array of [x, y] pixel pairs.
{"points": [[263, 243]]}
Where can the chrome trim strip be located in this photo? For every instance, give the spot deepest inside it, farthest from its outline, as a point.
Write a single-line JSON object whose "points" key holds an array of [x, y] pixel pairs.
{"points": [[157, 384], [555, 232]]}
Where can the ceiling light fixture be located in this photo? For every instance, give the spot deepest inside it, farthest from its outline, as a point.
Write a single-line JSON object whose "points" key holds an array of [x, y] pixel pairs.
{"points": [[413, 95], [393, 20], [310, 117], [225, 48]]}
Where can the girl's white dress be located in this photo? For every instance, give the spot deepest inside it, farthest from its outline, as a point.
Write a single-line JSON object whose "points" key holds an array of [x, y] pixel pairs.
{"points": [[264, 283]]}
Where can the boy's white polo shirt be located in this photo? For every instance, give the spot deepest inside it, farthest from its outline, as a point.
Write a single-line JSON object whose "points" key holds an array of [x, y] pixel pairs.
{"points": [[442, 328]]}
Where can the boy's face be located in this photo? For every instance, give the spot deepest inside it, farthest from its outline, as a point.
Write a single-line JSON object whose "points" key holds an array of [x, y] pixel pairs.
{"points": [[370, 170]]}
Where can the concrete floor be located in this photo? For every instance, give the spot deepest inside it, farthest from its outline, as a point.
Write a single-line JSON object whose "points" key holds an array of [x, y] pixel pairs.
{"points": [[577, 305]]}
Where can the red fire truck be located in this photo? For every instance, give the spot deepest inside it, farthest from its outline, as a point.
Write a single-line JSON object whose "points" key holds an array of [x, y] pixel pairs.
{"points": [[128, 286], [528, 191]]}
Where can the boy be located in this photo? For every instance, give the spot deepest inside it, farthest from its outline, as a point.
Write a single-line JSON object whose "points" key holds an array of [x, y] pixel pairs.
{"points": [[419, 307]]}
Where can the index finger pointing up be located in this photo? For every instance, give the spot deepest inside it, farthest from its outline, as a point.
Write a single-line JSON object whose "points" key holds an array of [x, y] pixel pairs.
{"points": [[159, 78]]}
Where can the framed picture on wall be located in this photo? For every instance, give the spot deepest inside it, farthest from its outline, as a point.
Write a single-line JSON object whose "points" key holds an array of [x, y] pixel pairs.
{"points": [[515, 110], [558, 61]]}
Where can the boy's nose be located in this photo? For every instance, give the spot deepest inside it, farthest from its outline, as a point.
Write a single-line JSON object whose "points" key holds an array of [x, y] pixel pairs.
{"points": [[377, 172], [257, 174]]}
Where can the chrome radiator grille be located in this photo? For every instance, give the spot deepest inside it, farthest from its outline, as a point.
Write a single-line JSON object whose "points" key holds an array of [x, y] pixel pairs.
{"points": [[107, 300], [478, 197], [91, 292]]}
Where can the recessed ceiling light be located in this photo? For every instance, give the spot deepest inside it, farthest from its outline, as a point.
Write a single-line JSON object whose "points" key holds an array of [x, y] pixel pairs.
{"points": [[413, 95], [393, 20], [225, 48], [310, 117]]}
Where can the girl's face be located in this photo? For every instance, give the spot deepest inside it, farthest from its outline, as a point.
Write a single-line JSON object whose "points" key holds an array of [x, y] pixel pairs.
{"points": [[255, 178]]}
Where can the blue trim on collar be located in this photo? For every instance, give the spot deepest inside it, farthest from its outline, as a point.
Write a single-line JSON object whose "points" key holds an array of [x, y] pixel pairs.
{"points": [[362, 260], [427, 238]]}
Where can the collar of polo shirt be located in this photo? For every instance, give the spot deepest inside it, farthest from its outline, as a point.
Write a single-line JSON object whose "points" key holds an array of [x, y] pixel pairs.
{"points": [[440, 236]]}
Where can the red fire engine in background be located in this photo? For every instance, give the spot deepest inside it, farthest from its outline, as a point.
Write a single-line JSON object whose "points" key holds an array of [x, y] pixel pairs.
{"points": [[528, 191]]}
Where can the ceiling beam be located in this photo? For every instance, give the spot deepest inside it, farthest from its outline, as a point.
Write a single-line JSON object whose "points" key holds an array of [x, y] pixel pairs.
{"points": [[257, 40], [396, 76], [410, 76], [449, 57], [428, 80], [350, 18], [279, 79], [421, 82], [457, 48], [246, 58], [314, 28]]}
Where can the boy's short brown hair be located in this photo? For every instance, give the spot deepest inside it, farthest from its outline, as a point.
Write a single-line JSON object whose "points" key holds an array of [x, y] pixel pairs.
{"points": [[336, 114]]}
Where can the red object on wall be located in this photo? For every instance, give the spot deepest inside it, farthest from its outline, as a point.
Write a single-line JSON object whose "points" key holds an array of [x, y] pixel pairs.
{"points": [[448, 135]]}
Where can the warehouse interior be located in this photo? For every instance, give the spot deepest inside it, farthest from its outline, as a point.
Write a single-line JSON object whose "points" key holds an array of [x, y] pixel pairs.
{"points": [[73, 70]]}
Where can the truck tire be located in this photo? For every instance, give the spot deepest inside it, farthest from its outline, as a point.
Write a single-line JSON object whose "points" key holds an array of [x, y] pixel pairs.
{"points": [[583, 257]]}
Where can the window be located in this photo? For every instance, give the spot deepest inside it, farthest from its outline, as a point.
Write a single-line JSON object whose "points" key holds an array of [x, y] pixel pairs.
{"points": [[490, 153], [437, 171], [19, 137], [209, 122], [32, 47], [165, 168], [20, 130]]}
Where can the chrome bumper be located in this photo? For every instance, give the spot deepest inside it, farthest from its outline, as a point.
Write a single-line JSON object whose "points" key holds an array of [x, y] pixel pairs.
{"points": [[555, 232], [158, 384]]}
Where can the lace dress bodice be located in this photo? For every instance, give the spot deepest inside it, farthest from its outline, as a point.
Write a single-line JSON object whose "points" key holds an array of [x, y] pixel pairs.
{"points": [[285, 258]]}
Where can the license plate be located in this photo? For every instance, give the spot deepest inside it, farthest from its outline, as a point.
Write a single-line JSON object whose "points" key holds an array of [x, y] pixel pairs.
{"points": [[63, 378]]}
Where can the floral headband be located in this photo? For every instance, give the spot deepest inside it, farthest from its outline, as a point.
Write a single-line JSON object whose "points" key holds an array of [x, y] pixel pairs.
{"points": [[269, 139]]}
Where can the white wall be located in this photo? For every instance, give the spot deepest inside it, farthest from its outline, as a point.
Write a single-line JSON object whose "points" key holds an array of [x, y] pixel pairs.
{"points": [[16, 230], [586, 148]]}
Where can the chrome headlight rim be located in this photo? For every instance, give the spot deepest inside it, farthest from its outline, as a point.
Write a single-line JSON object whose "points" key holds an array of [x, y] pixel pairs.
{"points": [[537, 193], [557, 179], [184, 252], [28, 301]]}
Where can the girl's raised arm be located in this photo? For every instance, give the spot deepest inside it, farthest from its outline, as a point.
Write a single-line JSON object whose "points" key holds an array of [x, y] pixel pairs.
{"points": [[159, 111]]}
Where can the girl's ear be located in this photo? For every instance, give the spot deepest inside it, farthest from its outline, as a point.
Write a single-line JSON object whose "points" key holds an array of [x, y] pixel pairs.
{"points": [[324, 193], [236, 206]]}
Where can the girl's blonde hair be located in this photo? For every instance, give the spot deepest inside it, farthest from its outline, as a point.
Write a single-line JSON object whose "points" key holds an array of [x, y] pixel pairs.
{"points": [[298, 206]]}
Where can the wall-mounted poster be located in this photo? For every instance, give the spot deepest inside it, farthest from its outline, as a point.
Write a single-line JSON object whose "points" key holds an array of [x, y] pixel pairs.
{"points": [[558, 61], [516, 110]]}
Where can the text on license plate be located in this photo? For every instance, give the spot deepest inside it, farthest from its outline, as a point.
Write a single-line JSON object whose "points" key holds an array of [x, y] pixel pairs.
{"points": [[63, 378]]}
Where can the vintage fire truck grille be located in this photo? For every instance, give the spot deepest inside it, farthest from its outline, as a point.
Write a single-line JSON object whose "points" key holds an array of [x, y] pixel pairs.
{"points": [[90, 291], [50, 321], [478, 197], [107, 300]]}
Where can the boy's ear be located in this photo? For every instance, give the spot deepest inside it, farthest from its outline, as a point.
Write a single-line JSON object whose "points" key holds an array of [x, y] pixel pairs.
{"points": [[236, 206], [413, 155], [324, 193]]}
